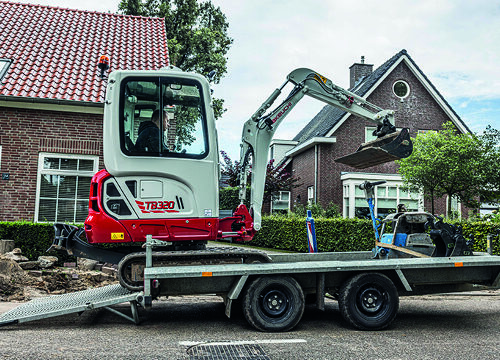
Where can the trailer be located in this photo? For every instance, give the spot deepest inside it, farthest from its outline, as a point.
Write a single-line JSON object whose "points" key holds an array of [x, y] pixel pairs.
{"points": [[273, 295]]}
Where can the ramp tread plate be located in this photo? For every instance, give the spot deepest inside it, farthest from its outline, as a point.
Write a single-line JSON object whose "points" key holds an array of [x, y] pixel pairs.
{"points": [[55, 305]]}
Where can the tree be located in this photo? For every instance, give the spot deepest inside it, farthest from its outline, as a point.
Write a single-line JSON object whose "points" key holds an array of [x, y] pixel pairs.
{"points": [[197, 35], [449, 163], [491, 148], [230, 169], [277, 178]]}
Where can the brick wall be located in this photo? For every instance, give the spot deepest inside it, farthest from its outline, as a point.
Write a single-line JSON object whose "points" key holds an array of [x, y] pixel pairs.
{"points": [[418, 111], [24, 134]]}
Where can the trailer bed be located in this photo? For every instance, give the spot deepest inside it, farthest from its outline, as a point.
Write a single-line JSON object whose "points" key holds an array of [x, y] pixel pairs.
{"points": [[268, 289]]}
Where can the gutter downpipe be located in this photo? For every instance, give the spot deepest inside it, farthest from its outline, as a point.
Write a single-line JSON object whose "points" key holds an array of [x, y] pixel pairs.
{"points": [[316, 152]]}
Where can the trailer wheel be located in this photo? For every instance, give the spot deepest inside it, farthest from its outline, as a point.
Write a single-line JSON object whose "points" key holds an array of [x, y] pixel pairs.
{"points": [[273, 303], [369, 301]]}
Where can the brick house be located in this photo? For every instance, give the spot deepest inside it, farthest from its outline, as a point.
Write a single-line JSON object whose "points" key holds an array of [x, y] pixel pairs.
{"points": [[398, 84], [51, 102]]}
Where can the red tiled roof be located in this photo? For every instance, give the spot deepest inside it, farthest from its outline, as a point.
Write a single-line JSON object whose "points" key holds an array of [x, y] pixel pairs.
{"points": [[55, 51]]}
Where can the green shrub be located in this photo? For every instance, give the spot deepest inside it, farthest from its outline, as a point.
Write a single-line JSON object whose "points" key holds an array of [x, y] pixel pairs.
{"points": [[338, 234], [32, 238], [229, 198], [278, 232]]}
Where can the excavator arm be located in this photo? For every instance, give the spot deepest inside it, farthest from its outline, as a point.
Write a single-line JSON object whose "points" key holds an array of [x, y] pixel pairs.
{"points": [[258, 132]]}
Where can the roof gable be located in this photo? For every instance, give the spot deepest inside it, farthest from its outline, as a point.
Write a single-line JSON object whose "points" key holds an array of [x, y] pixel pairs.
{"points": [[54, 51], [330, 118]]}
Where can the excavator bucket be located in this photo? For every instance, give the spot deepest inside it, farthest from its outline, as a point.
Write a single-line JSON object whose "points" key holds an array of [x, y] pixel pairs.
{"points": [[394, 146]]}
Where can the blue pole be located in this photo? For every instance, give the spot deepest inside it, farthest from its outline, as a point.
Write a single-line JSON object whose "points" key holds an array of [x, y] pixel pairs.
{"points": [[311, 233], [371, 206]]}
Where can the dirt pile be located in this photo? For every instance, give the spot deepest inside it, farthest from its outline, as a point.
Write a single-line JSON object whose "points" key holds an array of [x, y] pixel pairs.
{"points": [[17, 284]]}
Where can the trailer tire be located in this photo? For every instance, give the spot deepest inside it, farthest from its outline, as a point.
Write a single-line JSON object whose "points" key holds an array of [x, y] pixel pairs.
{"points": [[273, 303], [369, 301]]}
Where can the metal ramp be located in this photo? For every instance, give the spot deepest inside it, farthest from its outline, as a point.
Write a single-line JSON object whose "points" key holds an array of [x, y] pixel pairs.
{"points": [[56, 305]]}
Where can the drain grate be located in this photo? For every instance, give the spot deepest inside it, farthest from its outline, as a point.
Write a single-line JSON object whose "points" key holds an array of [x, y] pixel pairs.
{"points": [[227, 352]]}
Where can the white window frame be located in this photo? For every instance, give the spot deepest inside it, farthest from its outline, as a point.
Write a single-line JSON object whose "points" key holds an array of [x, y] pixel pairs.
{"points": [[280, 198], [407, 85], [456, 205], [310, 195], [351, 180], [41, 170]]}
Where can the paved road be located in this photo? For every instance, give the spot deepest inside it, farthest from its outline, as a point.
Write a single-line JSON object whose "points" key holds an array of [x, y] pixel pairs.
{"points": [[429, 327]]}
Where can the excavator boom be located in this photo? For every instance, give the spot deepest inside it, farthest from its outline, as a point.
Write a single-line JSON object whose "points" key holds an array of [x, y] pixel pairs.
{"points": [[258, 131]]}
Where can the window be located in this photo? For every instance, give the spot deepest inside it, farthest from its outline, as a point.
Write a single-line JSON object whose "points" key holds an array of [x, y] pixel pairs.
{"points": [[310, 195], [161, 117], [282, 203], [63, 187], [4, 66], [401, 89], [387, 196], [456, 208]]}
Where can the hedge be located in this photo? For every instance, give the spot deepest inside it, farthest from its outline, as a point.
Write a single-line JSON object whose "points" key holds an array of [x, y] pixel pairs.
{"points": [[229, 198], [32, 238], [277, 232], [348, 234]]}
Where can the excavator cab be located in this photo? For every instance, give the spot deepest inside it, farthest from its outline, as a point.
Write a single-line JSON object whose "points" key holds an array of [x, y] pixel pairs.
{"points": [[161, 161]]}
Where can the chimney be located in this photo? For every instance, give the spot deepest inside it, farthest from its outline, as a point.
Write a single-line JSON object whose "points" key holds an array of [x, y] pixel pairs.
{"points": [[358, 71]]}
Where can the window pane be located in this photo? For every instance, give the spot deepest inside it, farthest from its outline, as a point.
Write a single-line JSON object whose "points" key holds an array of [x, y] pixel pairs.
{"points": [[285, 196], [360, 202], [47, 210], [86, 165], [362, 212], [48, 186], [69, 164], [386, 203], [67, 187], [381, 191], [83, 188], [358, 192], [392, 191], [161, 117], [82, 210], [66, 210], [411, 204], [51, 163]]}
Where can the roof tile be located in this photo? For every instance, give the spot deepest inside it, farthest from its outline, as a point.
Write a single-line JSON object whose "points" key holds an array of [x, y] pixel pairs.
{"points": [[55, 50]]}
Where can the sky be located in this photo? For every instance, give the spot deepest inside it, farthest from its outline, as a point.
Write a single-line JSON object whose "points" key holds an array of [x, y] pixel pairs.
{"points": [[456, 43]]}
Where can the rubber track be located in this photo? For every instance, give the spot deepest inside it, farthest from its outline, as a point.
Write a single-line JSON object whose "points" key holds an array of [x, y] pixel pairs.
{"points": [[212, 256]]}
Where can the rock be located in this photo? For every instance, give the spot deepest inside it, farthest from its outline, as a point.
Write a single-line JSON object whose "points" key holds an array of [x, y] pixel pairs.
{"points": [[86, 264], [9, 267], [46, 262], [108, 270], [6, 246], [15, 255], [29, 265], [35, 273]]}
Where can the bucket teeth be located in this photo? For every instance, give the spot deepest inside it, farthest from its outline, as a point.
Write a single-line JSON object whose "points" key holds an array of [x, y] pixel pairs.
{"points": [[395, 146]]}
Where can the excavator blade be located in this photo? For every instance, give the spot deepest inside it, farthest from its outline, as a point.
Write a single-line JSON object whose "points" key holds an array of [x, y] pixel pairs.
{"points": [[394, 146]]}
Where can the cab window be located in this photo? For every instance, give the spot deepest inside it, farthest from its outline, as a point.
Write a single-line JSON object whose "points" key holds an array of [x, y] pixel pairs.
{"points": [[163, 117]]}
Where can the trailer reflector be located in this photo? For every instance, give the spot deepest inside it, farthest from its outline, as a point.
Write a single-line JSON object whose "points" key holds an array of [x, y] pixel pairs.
{"points": [[459, 264], [206, 274]]}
